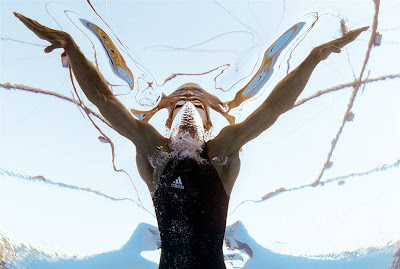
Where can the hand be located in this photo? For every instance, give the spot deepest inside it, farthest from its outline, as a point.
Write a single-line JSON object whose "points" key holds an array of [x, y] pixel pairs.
{"points": [[57, 38], [324, 50]]}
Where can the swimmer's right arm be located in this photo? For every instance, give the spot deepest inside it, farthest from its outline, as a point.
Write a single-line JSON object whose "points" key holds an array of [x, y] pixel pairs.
{"points": [[281, 99], [96, 89]]}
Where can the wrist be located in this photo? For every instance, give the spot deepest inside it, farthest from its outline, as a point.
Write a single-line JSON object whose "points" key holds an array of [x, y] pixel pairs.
{"points": [[315, 54], [70, 44]]}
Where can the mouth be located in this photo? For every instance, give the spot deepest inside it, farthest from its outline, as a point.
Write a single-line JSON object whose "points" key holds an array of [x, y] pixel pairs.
{"points": [[188, 120]]}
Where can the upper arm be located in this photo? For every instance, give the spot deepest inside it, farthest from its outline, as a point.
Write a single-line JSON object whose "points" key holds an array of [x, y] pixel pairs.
{"points": [[233, 137], [96, 89], [142, 134]]}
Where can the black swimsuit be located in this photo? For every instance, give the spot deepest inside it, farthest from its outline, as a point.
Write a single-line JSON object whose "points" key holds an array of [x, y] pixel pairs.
{"points": [[191, 206]]}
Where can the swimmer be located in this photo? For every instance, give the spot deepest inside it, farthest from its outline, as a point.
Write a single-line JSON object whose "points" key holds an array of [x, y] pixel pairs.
{"points": [[190, 179]]}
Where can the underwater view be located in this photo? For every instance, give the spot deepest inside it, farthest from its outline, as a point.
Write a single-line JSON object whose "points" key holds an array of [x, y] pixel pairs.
{"points": [[320, 188]]}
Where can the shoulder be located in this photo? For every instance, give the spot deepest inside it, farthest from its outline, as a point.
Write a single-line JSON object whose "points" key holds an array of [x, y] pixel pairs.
{"points": [[150, 166], [225, 143], [227, 166]]}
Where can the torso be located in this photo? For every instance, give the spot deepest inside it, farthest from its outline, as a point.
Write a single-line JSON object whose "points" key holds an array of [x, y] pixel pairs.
{"points": [[191, 220], [191, 207]]}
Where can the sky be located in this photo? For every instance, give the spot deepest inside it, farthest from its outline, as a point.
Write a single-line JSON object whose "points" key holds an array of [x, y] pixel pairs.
{"points": [[85, 207]]}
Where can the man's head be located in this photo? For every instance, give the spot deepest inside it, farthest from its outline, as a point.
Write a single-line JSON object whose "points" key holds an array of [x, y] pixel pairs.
{"points": [[185, 94], [200, 100]]}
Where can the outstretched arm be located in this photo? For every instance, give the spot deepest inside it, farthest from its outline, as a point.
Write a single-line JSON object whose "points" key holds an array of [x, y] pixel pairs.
{"points": [[281, 99], [96, 89]]}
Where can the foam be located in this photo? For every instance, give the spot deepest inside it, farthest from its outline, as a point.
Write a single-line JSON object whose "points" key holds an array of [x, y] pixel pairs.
{"points": [[188, 120], [187, 137], [184, 145]]}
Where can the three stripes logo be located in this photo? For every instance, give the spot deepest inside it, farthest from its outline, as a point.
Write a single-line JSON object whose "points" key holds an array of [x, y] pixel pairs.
{"points": [[177, 183]]}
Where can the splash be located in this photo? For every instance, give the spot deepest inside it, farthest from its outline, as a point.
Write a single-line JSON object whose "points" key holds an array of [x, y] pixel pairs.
{"points": [[184, 145], [188, 120], [187, 138]]}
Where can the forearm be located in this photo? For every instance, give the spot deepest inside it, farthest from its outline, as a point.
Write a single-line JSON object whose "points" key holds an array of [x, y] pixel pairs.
{"points": [[280, 100], [284, 95], [286, 92], [90, 80]]}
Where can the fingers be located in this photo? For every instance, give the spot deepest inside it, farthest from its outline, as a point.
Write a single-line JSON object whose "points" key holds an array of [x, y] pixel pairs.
{"points": [[16, 14], [323, 51], [365, 28], [53, 46], [22, 18], [358, 31], [349, 37], [31, 24], [27, 21], [40, 30]]}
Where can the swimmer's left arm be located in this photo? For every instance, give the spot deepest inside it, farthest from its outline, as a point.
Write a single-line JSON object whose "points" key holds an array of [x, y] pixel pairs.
{"points": [[281, 99]]}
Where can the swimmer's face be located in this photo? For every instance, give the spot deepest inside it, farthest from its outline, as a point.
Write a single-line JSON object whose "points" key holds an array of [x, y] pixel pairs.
{"points": [[196, 103], [188, 120]]}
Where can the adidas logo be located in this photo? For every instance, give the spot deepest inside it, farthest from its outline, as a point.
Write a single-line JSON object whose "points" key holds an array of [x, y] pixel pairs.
{"points": [[178, 183]]}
